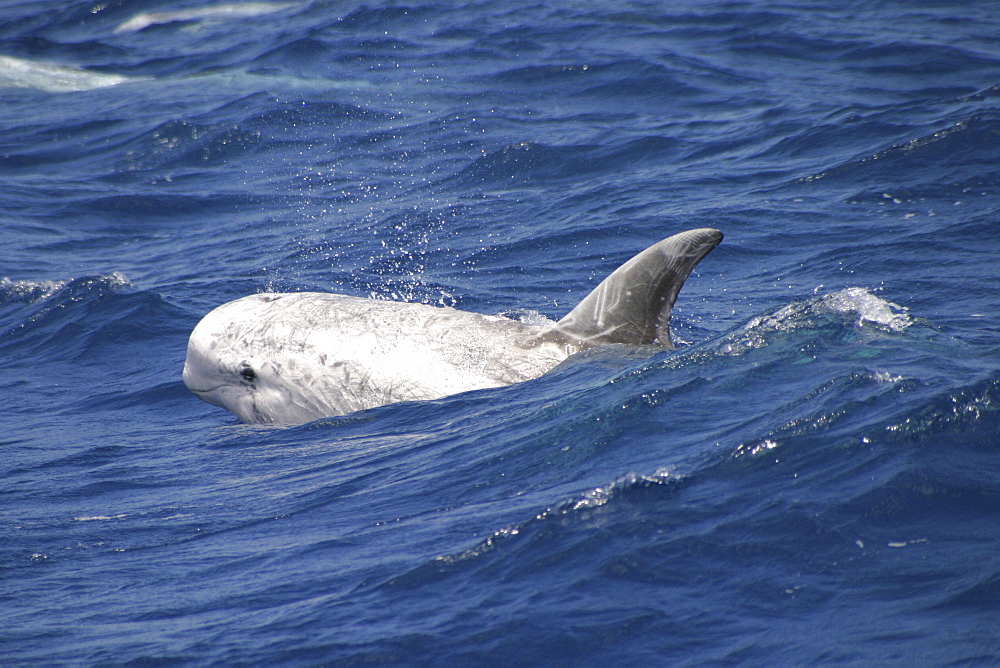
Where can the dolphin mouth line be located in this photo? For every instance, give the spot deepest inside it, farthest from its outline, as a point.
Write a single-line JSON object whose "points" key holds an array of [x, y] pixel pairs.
{"points": [[209, 390]]}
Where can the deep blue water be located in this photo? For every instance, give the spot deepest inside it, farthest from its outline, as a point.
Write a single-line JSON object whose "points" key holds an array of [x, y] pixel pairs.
{"points": [[812, 477]]}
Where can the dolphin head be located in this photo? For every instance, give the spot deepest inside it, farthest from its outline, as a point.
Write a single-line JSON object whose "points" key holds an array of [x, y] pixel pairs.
{"points": [[229, 366], [218, 373]]}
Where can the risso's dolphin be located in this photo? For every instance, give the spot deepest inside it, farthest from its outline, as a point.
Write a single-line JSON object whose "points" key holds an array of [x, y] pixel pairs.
{"points": [[294, 357]]}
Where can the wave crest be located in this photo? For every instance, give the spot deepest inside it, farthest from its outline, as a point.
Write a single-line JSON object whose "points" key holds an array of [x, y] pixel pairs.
{"points": [[37, 291], [592, 498], [855, 307]]}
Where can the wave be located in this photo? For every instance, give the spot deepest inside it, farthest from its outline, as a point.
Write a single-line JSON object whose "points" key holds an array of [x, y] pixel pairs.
{"points": [[922, 167], [910, 58], [527, 162], [32, 291], [818, 492], [621, 490], [82, 318], [856, 307]]}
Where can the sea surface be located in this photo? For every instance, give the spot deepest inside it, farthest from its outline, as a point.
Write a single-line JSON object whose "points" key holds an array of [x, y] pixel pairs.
{"points": [[812, 477]]}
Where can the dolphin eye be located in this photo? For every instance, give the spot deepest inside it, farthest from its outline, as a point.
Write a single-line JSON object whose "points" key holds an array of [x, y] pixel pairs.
{"points": [[248, 373]]}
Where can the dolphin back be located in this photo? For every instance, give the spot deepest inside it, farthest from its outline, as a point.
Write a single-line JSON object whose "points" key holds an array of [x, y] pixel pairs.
{"points": [[633, 304]]}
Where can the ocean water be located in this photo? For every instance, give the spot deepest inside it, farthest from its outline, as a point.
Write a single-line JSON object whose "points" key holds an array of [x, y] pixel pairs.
{"points": [[811, 477]]}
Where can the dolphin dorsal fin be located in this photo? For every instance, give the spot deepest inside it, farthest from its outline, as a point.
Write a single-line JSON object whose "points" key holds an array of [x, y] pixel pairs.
{"points": [[633, 304]]}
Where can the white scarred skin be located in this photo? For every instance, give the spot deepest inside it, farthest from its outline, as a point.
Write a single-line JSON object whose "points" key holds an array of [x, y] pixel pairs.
{"points": [[291, 358]]}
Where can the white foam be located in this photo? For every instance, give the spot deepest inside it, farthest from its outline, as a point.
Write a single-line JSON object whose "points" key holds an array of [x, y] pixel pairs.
{"points": [[31, 290], [859, 302], [53, 77], [236, 10], [864, 308], [599, 496], [35, 291], [868, 308]]}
